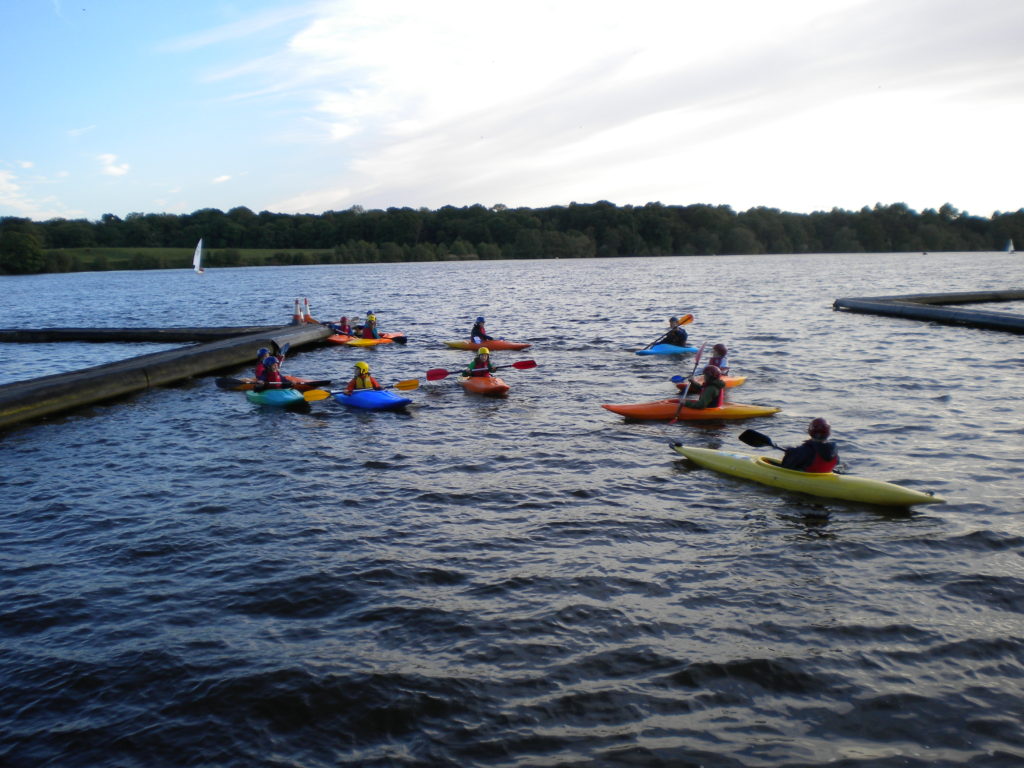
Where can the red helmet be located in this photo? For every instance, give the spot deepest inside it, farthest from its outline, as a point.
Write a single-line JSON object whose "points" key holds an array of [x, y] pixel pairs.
{"points": [[720, 350], [712, 372], [819, 428]]}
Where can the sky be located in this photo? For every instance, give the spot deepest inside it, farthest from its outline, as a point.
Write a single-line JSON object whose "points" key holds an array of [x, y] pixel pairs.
{"points": [[305, 106]]}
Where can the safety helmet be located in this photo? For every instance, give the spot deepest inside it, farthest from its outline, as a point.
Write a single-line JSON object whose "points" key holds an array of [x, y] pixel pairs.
{"points": [[720, 349], [819, 428], [343, 319], [479, 319], [270, 360], [673, 320], [712, 372], [483, 351], [362, 367], [372, 318], [262, 352]]}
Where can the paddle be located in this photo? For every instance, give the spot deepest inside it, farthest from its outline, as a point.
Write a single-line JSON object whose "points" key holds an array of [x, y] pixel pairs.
{"points": [[684, 320], [686, 389], [758, 439], [434, 374], [229, 382], [313, 395], [280, 352]]}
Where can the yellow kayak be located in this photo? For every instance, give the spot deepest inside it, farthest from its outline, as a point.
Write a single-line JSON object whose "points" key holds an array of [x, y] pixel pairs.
{"points": [[768, 471], [663, 410]]}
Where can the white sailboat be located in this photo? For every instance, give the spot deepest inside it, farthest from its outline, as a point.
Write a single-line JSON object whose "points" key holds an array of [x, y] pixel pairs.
{"points": [[1009, 246], [197, 258]]}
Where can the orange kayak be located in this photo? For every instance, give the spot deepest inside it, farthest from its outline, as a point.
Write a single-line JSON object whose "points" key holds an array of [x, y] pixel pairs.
{"points": [[356, 341], [730, 381], [492, 345], [484, 385], [663, 410]]}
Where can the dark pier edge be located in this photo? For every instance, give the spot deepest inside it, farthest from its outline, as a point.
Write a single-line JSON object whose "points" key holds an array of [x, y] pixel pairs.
{"points": [[929, 306], [220, 348]]}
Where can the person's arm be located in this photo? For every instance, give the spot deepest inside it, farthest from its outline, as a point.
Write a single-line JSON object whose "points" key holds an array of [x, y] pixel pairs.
{"points": [[376, 384]]}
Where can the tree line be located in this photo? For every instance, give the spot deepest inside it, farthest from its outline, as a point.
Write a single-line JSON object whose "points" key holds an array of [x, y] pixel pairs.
{"points": [[599, 229]]}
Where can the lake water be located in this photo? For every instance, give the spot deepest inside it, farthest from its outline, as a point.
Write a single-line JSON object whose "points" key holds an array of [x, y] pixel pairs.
{"points": [[186, 579]]}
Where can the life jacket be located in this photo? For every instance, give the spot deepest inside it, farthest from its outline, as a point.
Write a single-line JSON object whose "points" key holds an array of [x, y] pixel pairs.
{"points": [[720, 361], [370, 331], [271, 378], [721, 392], [478, 332], [821, 464], [362, 381], [477, 368], [258, 370]]}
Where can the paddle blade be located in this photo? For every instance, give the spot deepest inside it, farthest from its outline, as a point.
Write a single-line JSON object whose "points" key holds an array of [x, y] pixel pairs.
{"points": [[400, 339], [313, 395], [407, 384], [227, 382], [677, 379], [437, 373], [686, 319], [756, 439], [522, 365]]}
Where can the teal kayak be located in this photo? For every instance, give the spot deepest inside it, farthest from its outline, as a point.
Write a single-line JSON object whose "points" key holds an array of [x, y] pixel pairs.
{"points": [[667, 349], [373, 400], [276, 397]]}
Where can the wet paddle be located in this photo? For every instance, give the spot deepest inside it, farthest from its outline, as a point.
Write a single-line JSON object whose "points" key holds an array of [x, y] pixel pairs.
{"points": [[758, 440], [684, 320], [686, 389], [435, 374], [314, 395]]}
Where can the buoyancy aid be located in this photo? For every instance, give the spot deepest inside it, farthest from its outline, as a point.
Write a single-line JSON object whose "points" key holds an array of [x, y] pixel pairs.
{"points": [[820, 463], [362, 381]]}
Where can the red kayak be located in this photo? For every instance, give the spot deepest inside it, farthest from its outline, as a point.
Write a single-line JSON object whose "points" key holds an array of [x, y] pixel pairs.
{"points": [[491, 386], [358, 341], [493, 345]]}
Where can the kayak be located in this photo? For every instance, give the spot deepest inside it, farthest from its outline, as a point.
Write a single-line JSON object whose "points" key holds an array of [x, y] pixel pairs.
{"points": [[372, 400], [244, 385], [493, 345], [729, 381], [768, 471], [356, 341], [484, 385], [667, 349], [276, 397], [663, 410]]}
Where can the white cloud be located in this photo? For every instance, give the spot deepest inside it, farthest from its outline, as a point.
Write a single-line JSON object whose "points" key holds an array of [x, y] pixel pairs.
{"points": [[26, 164], [13, 198], [75, 132], [110, 166], [220, 179]]}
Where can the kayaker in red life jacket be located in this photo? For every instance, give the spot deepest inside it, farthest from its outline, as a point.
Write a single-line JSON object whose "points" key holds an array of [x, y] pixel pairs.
{"points": [[479, 333], [261, 360], [720, 360], [481, 365], [816, 454], [341, 326], [270, 376], [362, 379], [712, 394]]}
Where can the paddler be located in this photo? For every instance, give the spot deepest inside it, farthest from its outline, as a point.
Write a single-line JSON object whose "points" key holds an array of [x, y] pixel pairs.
{"points": [[261, 361], [481, 365], [720, 360], [676, 335], [370, 327], [341, 326], [479, 333], [815, 455], [362, 379], [270, 375], [712, 394]]}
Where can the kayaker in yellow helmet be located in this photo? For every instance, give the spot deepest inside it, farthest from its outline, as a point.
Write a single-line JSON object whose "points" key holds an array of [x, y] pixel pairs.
{"points": [[370, 327], [818, 454], [481, 365], [362, 379]]}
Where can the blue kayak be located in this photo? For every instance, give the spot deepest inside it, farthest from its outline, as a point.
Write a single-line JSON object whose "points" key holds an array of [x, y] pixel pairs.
{"points": [[372, 400], [667, 349], [277, 397]]}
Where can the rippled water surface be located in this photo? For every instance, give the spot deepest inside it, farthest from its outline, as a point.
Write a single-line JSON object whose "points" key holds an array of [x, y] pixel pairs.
{"points": [[186, 579]]}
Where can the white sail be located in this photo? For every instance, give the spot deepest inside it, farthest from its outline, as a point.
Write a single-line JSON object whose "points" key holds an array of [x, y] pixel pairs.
{"points": [[197, 258], [1009, 246]]}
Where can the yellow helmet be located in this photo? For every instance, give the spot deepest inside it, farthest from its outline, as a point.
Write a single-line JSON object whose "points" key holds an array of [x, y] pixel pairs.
{"points": [[372, 318], [483, 351], [362, 367]]}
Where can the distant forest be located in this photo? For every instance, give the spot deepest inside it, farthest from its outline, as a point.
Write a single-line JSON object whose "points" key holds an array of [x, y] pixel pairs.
{"points": [[241, 237]]}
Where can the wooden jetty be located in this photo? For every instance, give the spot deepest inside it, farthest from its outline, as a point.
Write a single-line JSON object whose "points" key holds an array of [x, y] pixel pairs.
{"points": [[934, 307], [28, 400]]}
